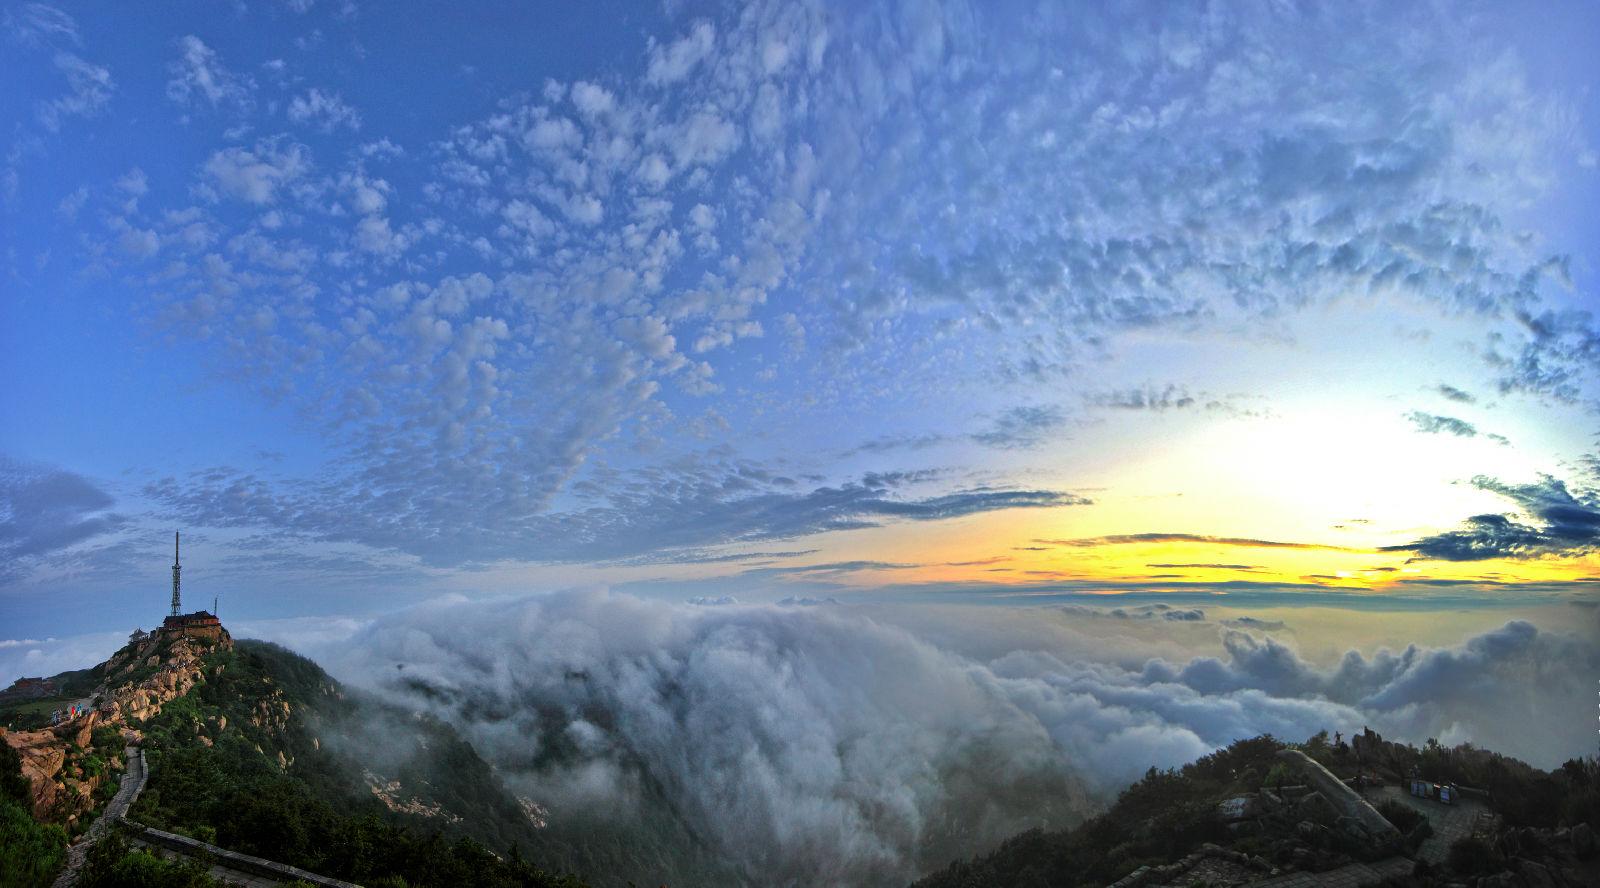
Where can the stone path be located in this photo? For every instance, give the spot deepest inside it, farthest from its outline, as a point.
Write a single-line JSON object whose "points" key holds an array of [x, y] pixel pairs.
{"points": [[132, 783], [1213, 871], [231, 867], [133, 780], [219, 872], [1449, 822], [1351, 875]]}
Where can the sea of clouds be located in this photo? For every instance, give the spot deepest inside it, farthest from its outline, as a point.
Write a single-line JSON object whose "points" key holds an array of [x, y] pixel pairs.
{"points": [[836, 744]]}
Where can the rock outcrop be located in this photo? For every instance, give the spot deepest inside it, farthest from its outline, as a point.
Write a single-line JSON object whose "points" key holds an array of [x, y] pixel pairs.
{"points": [[42, 754], [1353, 814], [139, 679]]}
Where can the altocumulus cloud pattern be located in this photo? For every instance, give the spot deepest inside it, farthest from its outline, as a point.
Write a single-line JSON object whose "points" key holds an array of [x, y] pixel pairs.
{"points": [[796, 204]]}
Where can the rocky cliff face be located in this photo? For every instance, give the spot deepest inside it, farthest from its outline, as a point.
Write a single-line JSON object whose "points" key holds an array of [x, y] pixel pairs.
{"points": [[140, 679], [133, 692], [42, 754]]}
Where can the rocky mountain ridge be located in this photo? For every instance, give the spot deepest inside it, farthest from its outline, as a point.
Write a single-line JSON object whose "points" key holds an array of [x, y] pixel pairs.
{"points": [[1262, 812], [69, 763]]}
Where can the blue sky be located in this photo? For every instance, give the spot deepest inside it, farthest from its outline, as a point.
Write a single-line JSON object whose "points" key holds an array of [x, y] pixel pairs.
{"points": [[874, 300]]}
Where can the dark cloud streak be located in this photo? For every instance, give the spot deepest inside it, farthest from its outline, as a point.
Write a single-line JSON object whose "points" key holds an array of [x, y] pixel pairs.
{"points": [[44, 510], [1138, 538], [1565, 524], [682, 508]]}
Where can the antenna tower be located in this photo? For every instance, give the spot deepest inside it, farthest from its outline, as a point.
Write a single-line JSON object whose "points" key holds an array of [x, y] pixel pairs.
{"points": [[176, 567]]}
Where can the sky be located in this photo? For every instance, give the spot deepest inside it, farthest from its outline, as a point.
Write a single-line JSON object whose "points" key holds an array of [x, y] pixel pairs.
{"points": [[1279, 308]]}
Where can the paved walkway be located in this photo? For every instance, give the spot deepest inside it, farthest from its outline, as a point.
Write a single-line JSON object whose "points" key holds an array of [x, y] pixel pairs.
{"points": [[133, 780], [132, 783], [219, 872], [1449, 822], [1351, 875]]}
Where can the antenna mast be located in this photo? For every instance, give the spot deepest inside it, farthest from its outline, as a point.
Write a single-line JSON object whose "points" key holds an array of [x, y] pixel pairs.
{"points": [[176, 567]]}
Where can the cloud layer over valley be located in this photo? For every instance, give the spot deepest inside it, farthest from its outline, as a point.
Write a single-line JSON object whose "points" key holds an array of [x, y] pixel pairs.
{"points": [[797, 738]]}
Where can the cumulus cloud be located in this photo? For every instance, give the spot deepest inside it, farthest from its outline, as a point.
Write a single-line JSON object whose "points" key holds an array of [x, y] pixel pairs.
{"points": [[255, 175], [1563, 524], [325, 110], [198, 74], [675, 60], [775, 731]]}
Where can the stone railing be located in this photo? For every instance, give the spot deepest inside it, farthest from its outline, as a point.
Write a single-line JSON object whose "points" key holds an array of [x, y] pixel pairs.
{"points": [[244, 863], [117, 812]]}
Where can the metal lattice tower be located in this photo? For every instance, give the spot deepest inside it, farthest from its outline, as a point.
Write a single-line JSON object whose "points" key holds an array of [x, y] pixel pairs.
{"points": [[176, 567]]}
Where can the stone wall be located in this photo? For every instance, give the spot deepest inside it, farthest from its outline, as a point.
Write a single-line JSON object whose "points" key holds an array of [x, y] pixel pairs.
{"points": [[117, 812], [233, 860]]}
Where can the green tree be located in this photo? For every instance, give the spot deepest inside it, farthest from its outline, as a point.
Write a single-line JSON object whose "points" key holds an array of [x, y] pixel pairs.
{"points": [[31, 853]]}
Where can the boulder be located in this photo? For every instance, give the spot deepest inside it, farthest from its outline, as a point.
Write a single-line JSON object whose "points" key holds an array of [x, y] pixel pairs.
{"points": [[1316, 807], [1582, 839], [1345, 801], [1535, 875], [1239, 808]]}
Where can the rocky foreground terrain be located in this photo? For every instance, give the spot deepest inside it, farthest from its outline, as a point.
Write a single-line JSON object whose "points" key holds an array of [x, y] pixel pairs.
{"points": [[69, 764], [255, 750]]}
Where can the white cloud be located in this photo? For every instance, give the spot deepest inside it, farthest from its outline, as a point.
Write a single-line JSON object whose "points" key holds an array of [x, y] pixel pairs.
{"points": [[198, 73], [592, 100], [374, 235], [43, 658], [676, 60], [141, 243], [778, 730], [256, 175], [653, 171], [70, 205], [35, 24], [89, 89], [327, 111], [703, 139], [961, 205]]}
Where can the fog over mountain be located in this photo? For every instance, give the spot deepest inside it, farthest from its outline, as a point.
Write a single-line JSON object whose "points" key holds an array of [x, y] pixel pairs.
{"points": [[793, 738]]}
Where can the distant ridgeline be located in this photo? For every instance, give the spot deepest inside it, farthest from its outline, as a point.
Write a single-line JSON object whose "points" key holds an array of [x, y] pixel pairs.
{"points": [[1248, 814]]}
